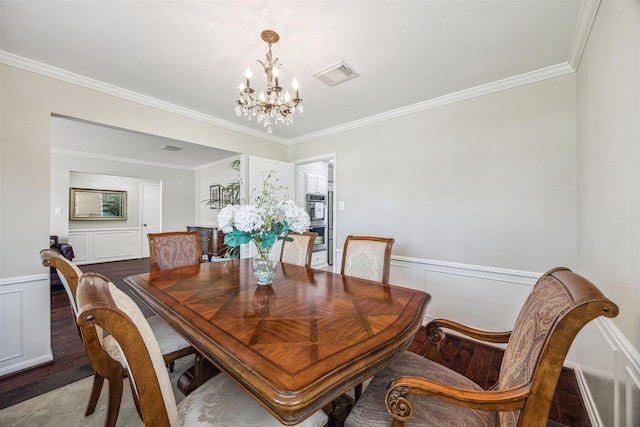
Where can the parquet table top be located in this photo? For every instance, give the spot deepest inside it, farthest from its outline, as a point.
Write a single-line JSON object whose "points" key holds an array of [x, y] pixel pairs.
{"points": [[294, 345]]}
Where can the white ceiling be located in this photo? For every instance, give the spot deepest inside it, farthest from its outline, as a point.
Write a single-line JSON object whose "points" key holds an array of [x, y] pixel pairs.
{"points": [[192, 54]]}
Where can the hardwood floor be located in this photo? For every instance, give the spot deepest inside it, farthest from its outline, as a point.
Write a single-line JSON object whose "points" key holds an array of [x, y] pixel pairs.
{"points": [[476, 361]]}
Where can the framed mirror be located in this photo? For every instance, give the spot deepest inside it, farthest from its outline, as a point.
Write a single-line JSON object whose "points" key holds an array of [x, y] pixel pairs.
{"points": [[97, 205]]}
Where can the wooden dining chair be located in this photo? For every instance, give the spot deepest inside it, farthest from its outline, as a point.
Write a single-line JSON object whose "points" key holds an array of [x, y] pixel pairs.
{"points": [[300, 250], [367, 257], [174, 249], [416, 391], [105, 356], [218, 402]]}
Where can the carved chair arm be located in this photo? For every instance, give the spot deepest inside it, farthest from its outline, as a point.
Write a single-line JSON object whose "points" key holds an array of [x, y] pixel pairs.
{"points": [[436, 335], [401, 408]]}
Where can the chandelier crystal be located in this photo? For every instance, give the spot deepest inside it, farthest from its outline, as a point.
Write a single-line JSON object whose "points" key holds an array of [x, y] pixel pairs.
{"points": [[274, 107]]}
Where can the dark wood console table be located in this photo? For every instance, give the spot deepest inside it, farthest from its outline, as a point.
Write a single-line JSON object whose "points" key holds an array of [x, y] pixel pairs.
{"points": [[211, 240]]}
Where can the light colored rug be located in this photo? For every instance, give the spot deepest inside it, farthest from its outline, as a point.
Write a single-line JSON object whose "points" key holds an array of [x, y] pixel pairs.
{"points": [[65, 406]]}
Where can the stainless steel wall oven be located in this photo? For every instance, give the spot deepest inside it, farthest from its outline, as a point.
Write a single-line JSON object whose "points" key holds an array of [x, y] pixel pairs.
{"points": [[316, 206]]}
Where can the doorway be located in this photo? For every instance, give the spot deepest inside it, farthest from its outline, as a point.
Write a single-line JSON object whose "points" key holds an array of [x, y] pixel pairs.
{"points": [[316, 176]]}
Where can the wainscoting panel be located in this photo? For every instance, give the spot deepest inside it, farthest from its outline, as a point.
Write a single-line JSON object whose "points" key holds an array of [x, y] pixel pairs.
{"points": [[103, 245], [11, 309], [494, 290], [606, 364], [25, 334], [120, 244], [608, 371]]}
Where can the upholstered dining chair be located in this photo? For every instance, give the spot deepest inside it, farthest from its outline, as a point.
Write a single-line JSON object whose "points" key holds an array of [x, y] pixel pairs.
{"points": [[300, 250], [367, 257], [174, 249], [416, 391], [105, 356], [218, 402]]}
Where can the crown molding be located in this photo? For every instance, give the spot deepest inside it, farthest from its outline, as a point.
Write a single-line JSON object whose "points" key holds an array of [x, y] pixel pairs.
{"points": [[508, 83], [118, 159], [587, 16], [13, 60]]}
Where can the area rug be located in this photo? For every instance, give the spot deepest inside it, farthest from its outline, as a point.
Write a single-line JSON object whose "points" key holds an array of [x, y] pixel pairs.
{"points": [[65, 406]]}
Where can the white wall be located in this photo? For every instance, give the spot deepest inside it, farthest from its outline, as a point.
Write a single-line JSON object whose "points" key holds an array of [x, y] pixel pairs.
{"points": [[488, 181], [178, 194], [27, 103], [608, 220], [485, 194]]}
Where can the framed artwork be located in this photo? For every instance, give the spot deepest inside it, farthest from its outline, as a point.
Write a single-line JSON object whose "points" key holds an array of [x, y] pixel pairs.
{"points": [[215, 196], [226, 198]]}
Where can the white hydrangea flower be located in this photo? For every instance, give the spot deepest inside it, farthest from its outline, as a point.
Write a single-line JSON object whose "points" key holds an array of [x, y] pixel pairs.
{"points": [[296, 217], [259, 222], [225, 218], [247, 218]]}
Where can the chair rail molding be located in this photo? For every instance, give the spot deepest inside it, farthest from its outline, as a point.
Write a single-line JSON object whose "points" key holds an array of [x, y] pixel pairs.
{"points": [[606, 364]]}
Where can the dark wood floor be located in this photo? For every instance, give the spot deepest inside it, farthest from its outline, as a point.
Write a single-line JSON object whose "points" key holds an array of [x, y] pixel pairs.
{"points": [[476, 361]]}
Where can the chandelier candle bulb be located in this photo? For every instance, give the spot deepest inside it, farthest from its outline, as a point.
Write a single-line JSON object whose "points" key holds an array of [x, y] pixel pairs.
{"points": [[247, 74], [295, 87]]}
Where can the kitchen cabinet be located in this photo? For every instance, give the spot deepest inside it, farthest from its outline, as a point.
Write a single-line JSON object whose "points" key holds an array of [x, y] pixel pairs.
{"points": [[311, 183], [322, 184], [315, 183]]}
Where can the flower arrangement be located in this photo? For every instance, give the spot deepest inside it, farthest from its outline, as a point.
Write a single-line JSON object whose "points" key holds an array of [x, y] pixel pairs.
{"points": [[265, 222]]}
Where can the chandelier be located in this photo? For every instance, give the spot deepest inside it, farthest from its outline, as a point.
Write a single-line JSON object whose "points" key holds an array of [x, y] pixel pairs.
{"points": [[273, 107]]}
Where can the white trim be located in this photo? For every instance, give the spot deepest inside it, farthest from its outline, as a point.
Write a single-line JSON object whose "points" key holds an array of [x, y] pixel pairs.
{"points": [[587, 397], [485, 89], [24, 279], [587, 16], [584, 24], [508, 83], [27, 364], [117, 159], [110, 229], [86, 82]]}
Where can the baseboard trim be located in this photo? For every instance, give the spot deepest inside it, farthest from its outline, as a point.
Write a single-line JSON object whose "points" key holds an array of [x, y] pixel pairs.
{"points": [[27, 364]]}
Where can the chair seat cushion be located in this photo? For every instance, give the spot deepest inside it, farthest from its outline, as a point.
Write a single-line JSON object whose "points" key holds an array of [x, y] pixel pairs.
{"points": [[371, 411], [220, 402], [168, 339]]}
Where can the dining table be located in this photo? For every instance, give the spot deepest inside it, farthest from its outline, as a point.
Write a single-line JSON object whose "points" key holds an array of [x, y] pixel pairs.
{"points": [[294, 345]]}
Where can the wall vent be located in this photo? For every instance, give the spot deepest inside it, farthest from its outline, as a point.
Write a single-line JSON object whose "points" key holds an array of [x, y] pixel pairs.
{"points": [[337, 73], [170, 148]]}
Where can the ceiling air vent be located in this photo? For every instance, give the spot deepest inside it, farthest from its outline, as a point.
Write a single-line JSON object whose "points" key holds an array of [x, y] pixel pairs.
{"points": [[170, 148], [337, 73]]}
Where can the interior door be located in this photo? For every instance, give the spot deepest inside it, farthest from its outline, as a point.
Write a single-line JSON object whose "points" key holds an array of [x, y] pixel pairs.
{"points": [[258, 169], [151, 214]]}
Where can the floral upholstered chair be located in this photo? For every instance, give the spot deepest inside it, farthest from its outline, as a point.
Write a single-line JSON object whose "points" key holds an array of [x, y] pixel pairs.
{"points": [[104, 353], [174, 249], [298, 251], [559, 305], [218, 402], [367, 257]]}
